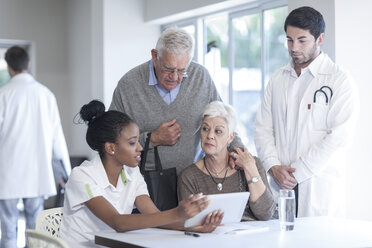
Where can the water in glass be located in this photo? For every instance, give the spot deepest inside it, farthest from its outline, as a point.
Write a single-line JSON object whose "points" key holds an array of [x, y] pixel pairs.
{"points": [[287, 210]]}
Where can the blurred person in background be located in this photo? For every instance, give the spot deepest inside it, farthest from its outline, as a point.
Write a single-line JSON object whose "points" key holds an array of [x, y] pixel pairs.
{"points": [[30, 137]]}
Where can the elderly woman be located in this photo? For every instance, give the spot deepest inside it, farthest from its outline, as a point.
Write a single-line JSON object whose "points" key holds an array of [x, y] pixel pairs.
{"points": [[213, 174]]}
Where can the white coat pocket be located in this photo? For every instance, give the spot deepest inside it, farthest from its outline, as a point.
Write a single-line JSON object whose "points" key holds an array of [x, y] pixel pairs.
{"points": [[319, 116]]}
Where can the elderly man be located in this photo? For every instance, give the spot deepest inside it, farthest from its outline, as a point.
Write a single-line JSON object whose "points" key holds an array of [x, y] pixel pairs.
{"points": [[166, 96]]}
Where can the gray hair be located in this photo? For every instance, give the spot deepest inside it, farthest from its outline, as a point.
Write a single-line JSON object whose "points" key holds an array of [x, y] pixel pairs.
{"points": [[176, 41], [225, 111]]}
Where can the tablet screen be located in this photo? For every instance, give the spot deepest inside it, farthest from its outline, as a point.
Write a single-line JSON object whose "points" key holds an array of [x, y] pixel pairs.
{"points": [[232, 204]]}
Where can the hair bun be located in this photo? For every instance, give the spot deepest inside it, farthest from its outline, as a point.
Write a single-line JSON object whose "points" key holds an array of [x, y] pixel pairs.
{"points": [[91, 111]]}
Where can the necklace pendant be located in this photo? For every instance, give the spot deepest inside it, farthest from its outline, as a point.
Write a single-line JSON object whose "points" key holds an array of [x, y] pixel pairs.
{"points": [[219, 186]]}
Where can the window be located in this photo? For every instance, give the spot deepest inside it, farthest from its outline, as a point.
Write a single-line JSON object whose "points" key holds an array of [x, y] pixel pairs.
{"points": [[4, 75], [241, 50]]}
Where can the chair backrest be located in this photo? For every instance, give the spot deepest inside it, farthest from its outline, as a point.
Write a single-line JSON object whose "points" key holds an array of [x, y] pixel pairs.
{"points": [[48, 221], [39, 239]]}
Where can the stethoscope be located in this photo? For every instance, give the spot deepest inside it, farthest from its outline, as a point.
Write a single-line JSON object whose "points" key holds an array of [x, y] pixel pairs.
{"points": [[321, 91]]}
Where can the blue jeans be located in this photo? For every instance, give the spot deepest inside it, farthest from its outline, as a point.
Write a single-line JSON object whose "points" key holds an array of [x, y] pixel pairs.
{"points": [[9, 218]]}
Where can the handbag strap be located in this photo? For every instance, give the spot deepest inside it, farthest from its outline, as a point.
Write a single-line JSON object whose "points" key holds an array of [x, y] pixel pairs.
{"points": [[157, 160], [158, 166], [144, 154]]}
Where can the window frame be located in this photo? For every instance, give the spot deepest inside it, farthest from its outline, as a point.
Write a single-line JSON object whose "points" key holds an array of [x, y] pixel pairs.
{"points": [[239, 11]]}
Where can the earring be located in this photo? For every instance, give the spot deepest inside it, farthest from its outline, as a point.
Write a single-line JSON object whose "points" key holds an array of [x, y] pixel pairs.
{"points": [[112, 152]]}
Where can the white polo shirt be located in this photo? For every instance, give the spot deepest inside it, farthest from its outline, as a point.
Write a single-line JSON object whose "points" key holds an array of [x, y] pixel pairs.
{"points": [[90, 180]]}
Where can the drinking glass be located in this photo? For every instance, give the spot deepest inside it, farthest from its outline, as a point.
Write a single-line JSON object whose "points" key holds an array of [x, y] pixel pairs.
{"points": [[287, 209]]}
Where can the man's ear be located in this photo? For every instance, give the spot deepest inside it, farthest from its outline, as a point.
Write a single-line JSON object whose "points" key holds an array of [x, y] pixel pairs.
{"points": [[110, 148], [10, 71], [319, 41], [154, 54]]}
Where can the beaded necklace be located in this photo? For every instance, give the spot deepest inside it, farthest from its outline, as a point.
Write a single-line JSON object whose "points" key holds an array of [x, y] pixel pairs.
{"points": [[219, 185]]}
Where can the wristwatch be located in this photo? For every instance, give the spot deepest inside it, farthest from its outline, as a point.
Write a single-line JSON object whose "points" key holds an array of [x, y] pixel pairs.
{"points": [[254, 180]]}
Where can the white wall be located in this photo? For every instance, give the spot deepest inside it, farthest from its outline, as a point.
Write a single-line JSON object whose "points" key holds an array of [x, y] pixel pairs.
{"points": [[162, 11], [82, 49], [353, 51], [64, 34], [128, 41], [43, 23], [84, 22], [106, 39]]}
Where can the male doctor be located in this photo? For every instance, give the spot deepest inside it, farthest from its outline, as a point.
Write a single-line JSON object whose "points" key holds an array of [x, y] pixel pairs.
{"points": [[307, 119], [30, 136]]}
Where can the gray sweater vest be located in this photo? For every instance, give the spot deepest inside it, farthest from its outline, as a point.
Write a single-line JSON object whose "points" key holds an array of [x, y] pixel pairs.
{"points": [[146, 107]]}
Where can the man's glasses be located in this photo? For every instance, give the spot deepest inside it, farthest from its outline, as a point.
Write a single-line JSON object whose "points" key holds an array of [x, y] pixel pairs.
{"points": [[169, 70]]}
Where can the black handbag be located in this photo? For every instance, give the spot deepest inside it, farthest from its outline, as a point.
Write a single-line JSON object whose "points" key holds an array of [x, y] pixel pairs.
{"points": [[161, 184]]}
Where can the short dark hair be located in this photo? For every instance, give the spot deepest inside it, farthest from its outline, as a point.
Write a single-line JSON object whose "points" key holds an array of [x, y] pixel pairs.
{"points": [[17, 58], [306, 18], [102, 126]]}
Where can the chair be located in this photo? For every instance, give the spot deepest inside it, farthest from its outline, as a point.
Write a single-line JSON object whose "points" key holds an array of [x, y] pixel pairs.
{"points": [[39, 239], [48, 221]]}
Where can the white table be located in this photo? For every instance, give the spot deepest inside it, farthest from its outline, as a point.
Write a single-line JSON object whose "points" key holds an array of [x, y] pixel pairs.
{"points": [[308, 232]]}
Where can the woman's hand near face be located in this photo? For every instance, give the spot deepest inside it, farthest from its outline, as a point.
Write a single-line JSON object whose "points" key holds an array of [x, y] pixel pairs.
{"points": [[244, 160], [211, 222], [191, 206]]}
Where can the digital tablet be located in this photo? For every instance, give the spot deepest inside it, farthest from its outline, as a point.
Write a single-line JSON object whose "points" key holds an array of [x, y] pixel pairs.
{"points": [[232, 204]]}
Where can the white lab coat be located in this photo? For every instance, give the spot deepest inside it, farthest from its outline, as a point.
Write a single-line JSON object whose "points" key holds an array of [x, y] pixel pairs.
{"points": [[323, 134], [30, 136]]}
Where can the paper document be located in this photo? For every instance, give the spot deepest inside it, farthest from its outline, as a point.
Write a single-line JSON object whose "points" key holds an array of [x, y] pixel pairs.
{"points": [[240, 228]]}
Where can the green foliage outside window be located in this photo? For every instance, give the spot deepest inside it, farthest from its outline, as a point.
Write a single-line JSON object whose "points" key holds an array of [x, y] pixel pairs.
{"points": [[4, 77], [276, 54], [247, 40]]}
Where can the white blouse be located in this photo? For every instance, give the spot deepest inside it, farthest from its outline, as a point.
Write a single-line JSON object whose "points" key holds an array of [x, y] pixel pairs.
{"points": [[90, 180]]}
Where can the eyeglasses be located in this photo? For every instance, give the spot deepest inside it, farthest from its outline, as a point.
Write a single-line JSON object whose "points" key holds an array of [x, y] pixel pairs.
{"points": [[169, 70]]}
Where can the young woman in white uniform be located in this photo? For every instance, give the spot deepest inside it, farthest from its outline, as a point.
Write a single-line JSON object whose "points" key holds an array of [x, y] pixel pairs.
{"points": [[100, 194]]}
